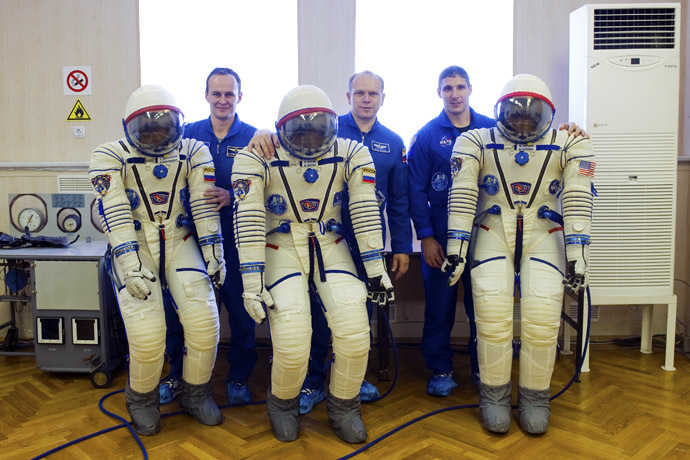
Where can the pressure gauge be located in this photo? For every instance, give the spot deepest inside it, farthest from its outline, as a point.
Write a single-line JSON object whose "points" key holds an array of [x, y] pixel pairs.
{"points": [[69, 220], [28, 210], [32, 219]]}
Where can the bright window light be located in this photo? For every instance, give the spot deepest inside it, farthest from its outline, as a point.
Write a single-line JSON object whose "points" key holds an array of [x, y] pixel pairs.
{"points": [[182, 41], [409, 44]]}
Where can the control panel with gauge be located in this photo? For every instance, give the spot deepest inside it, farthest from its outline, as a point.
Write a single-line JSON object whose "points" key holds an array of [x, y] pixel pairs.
{"points": [[55, 214]]}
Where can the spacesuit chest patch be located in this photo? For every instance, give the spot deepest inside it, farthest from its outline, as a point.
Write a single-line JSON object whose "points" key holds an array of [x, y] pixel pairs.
{"points": [[209, 175], [101, 184], [521, 188], [241, 187], [276, 204], [380, 147], [490, 184], [338, 198], [455, 166], [159, 197], [310, 204], [133, 198], [439, 181]]}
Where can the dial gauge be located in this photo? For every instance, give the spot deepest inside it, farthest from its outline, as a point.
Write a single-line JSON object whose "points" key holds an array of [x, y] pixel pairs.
{"points": [[69, 220], [28, 210], [31, 219]]}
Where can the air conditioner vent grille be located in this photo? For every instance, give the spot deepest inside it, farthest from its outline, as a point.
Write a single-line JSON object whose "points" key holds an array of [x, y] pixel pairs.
{"points": [[634, 28]]}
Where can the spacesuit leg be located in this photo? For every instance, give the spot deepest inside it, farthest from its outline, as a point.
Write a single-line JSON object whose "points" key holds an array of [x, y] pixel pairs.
{"points": [[344, 298], [542, 276], [193, 294], [290, 323], [492, 288], [145, 325], [313, 391]]}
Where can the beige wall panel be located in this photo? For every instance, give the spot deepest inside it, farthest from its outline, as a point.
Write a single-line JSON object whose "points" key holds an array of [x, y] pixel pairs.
{"points": [[37, 39]]}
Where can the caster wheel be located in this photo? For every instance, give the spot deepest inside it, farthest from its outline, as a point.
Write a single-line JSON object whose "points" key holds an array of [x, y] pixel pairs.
{"points": [[101, 378]]}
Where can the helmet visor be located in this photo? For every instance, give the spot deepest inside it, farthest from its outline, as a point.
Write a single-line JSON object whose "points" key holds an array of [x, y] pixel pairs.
{"points": [[309, 135], [155, 132], [523, 118]]}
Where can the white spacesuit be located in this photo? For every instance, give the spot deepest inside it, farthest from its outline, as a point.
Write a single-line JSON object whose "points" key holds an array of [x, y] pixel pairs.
{"points": [[142, 183], [286, 211], [519, 176]]}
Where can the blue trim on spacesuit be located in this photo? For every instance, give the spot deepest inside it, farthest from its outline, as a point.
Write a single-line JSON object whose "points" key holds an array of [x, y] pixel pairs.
{"points": [[547, 263], [286, 277]]}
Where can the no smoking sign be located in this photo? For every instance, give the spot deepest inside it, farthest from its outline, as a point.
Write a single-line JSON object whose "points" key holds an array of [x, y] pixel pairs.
{"points": [[77, 80]]}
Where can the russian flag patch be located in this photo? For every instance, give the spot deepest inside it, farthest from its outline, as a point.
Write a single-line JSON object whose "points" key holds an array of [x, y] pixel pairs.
{"points": [[209, 175], [369, 175]]}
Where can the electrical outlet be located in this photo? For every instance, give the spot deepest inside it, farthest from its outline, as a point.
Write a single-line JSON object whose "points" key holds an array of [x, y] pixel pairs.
{"points": [[79, 132]]}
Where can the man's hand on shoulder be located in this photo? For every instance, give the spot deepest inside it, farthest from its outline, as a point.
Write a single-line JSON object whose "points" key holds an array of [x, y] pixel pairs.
{"points": [[264, 143]]}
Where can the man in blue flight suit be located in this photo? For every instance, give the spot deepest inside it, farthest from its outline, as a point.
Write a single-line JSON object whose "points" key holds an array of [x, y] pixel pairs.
{"points": [[387, 149], [224, 134], [428, 182]]}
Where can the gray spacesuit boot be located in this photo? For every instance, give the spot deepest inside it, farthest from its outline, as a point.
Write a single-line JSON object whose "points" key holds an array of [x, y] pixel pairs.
{"points": [[534, 409], [198, 402], [494, 407], [346, 418], [284, 417], [144, 410]]}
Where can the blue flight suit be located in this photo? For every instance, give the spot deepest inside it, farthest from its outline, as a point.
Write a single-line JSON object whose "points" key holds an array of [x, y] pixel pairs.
{"points": [[388, 151], [242, 355], [428, 183]]}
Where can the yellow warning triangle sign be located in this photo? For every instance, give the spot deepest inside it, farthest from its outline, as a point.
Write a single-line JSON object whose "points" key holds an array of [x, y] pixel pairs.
{"points": [[78, 113]]}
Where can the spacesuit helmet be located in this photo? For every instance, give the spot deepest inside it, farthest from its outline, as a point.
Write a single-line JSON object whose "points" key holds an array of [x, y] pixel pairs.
{"points": [[307, 124], [524, 112], [153, 122]]}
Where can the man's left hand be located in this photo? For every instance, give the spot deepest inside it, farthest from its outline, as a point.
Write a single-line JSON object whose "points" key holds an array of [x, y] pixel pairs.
{"points": [[573, 129], [399, 265], [218, 196]]}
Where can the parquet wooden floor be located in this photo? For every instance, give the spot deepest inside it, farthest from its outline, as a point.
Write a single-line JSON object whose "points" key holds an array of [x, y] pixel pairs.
{"points": [[626, 408]]}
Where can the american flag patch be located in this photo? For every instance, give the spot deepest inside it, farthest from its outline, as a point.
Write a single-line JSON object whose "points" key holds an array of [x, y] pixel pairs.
{"points": [[209, 175], [587, 168], [369, 175]]}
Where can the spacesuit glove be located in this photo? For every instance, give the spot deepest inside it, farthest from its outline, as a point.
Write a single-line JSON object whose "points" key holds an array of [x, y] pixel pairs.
{"points": [[380, 290], [456, 265], [256, 305], [134, 282], [576, 276], [215, 264], [134, 273]]}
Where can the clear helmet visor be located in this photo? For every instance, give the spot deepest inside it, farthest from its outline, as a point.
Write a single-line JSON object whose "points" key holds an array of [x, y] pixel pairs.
{"points": [[523, 118], [155, 132], [310, 134]]}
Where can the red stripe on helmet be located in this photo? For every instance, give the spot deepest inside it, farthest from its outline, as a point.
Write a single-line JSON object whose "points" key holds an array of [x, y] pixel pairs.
{"points": [[527, 93], [297, 113], [152, 108]]}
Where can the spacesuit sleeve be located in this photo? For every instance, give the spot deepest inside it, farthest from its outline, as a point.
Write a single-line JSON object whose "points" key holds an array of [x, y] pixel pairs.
{"points": [[201, 176], [360, 175], [464, 192], [106, 171], [398, 209], [577, 196], [418, 180], [249, 178]]}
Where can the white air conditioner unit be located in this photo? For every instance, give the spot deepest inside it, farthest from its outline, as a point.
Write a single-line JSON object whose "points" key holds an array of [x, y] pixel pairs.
{"points": [[624, 89]]}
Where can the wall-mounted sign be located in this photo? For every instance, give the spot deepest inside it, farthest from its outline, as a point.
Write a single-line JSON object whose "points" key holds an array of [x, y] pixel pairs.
{"points": [[76, 80]]}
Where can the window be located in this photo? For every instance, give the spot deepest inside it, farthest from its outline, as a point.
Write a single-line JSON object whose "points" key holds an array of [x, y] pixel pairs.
{"points": [[182, 41], [410, 44]]}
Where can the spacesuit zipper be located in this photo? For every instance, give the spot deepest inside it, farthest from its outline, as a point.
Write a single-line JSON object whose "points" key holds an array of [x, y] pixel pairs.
{"points": [[518, 251], [161, 265], [315, 247]]}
